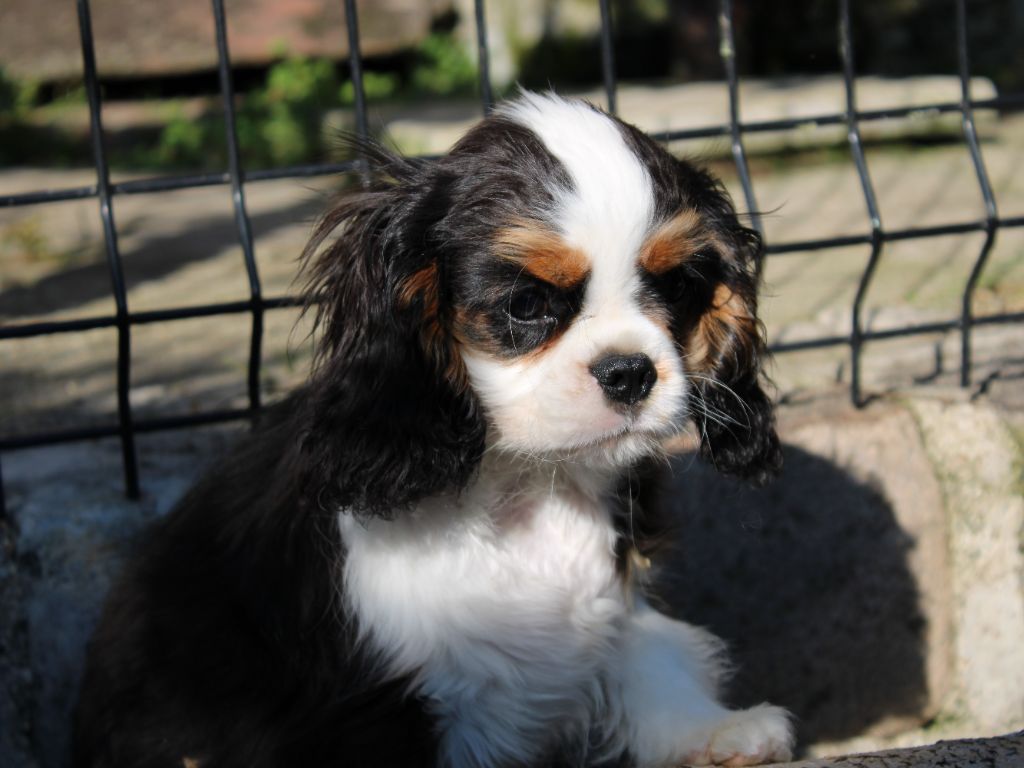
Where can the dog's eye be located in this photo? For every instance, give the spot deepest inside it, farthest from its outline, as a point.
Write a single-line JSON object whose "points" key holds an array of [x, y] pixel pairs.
{"points": [[529, 305], [674, 284], [686, 281]]}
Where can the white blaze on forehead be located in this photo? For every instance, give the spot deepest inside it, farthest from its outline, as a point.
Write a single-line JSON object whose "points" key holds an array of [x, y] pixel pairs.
{"points": [[611, 207]]}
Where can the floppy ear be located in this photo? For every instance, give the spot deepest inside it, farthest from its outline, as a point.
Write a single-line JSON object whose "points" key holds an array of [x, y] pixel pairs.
{"points": [[734, 415], [387, 418]]}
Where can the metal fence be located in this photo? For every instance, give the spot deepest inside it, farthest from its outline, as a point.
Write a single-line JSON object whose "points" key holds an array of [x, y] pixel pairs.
{"points": [[123, 320]]}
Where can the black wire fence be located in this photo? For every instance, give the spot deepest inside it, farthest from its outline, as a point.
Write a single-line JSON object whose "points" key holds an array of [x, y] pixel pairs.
{"points": [[124, 319]]}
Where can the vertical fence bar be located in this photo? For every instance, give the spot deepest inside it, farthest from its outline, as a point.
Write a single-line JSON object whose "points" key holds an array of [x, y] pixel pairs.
{"points": [[857, 151], [238, 200], [3, 495], [114, 264], [727, 50], [483, 58], [987, 193], [355, 60], [608, 56]]}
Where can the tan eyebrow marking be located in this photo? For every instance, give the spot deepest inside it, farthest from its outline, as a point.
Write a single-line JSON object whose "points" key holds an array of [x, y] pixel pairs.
{"points": [[543, 253], [674, 242]]}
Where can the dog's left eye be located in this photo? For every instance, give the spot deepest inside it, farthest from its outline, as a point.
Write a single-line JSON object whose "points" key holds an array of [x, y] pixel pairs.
{"points": [[688, 281], [529, 305]]}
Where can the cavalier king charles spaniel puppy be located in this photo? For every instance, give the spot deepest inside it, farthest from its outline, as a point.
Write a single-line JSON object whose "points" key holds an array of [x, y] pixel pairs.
{"points": [[432, 553]]}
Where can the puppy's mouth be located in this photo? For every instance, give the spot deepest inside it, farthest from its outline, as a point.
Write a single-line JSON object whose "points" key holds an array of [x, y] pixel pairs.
{"points": [[630, 430]]}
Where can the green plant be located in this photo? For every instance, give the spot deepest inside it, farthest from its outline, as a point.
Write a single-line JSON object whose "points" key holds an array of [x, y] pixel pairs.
{"points": [[16, 96], [290, 111], [443, 67], [376, 85], [278, 124], [185, 142]]}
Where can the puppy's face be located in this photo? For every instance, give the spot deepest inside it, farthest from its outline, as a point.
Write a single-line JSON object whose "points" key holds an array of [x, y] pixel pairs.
{"points": [[592, 282], [557, 286]]}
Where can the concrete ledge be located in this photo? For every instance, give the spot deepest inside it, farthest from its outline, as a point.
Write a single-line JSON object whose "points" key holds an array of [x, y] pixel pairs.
{"points": [[997, 752]]}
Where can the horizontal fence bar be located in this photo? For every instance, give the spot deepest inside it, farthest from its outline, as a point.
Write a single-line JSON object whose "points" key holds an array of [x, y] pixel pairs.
{"points": [[940, 326], [50, 328], [170, 183], [112, 430], [910, 233]]}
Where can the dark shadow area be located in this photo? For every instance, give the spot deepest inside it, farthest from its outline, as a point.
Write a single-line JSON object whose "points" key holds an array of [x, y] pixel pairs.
{"points": [[154, 258], [808, 583]]}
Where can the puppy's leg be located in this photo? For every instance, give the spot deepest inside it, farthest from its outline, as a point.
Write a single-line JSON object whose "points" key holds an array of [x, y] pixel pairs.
{"points": [[669, 676]]}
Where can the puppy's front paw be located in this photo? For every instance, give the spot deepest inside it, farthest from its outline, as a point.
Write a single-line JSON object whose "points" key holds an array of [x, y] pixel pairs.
{"points": [[761, 734]]}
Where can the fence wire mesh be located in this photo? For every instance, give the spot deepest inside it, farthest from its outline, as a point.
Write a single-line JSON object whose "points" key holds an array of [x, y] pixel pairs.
{"points": [[236, 177]]}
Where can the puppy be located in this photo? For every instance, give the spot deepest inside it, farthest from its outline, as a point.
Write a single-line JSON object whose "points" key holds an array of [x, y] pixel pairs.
{"points": [[422, 558]]}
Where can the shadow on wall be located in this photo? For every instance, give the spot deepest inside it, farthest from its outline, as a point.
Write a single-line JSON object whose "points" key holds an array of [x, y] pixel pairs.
{"points": [[807, 581]]}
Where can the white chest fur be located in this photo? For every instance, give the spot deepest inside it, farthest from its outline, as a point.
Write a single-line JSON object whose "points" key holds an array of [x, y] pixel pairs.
{"points": [[503, 605]]}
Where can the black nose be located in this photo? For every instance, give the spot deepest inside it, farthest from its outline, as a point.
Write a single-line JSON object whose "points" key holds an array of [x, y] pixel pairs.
{"points": [[625, 378]]}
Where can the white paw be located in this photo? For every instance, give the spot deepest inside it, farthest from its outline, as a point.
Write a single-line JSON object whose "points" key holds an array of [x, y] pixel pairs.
{"points": [[761, 734]]}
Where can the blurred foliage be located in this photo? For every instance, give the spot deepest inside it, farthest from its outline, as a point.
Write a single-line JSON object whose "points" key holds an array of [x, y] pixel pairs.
{"points": [[277, 124], [443, 67], [376, 86], [16, 96], [279, 121]]}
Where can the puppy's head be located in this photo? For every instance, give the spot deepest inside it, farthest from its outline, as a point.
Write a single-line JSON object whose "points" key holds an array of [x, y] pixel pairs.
{"points": [[557, 285]]}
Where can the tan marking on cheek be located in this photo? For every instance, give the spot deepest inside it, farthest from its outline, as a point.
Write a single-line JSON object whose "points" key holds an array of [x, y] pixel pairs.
{"points": [[423, 286], [674, 242], [471, 331], [684, 442], [729, 319], [663, 370], [422, 283], [544, 254]]}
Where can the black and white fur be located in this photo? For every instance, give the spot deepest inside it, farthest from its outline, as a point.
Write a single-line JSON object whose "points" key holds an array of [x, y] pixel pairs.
{"points": [[422, 557]]}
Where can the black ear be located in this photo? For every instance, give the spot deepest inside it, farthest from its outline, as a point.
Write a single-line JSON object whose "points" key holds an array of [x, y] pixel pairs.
{"points": [[386, 418], [734, 416]]}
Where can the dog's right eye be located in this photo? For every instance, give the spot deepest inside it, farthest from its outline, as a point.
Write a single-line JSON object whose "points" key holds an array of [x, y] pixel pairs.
{"points": [[688, 282], [529, 305]]}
